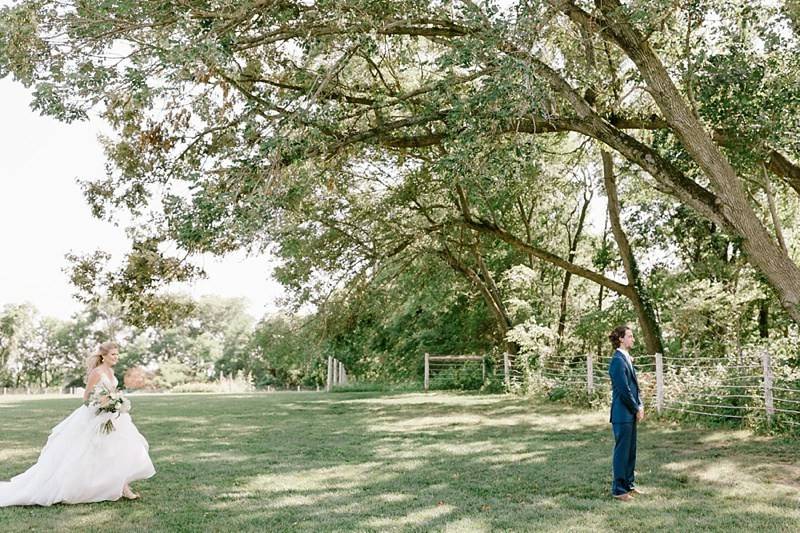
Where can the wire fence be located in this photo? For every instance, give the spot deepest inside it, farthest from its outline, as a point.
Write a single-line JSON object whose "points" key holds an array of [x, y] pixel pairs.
{"points": [[454, 371], [749, 387]]}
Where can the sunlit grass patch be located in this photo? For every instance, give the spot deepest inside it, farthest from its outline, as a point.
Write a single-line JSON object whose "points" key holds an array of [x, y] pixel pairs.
{"points": [[419, 518]]}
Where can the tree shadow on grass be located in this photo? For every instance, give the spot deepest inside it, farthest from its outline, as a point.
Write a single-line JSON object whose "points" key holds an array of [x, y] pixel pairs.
{"points": [[367, 462], [429, 465]]}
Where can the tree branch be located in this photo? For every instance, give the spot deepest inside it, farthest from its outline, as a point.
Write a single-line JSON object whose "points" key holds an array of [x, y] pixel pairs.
{"points": [[489, 228]]}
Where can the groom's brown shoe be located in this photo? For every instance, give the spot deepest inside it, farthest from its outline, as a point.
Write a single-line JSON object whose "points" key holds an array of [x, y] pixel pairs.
{"points": [[623, 497]]}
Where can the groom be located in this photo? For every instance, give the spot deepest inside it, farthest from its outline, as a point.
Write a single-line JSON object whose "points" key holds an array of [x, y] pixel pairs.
{"points": [[627, 411]]}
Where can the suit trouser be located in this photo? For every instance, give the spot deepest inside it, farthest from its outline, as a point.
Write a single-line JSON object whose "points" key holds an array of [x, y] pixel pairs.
{"points": [[624, 458]]}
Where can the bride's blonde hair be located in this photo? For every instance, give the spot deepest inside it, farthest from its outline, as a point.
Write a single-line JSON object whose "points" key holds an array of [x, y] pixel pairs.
{"points": [[96, 359]]}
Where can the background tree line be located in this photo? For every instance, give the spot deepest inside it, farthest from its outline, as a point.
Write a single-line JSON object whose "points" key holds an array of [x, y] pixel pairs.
{"points": [[216, 338]]}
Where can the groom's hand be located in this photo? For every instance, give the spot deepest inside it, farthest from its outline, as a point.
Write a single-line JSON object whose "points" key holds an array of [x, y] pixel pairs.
{"points": [[640, 415]]}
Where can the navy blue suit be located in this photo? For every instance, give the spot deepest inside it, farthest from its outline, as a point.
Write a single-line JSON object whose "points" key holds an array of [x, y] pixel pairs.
{"points": [[625, 403]]}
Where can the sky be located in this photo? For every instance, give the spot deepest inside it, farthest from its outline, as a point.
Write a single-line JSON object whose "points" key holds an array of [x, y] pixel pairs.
{"points": [[43, 216]]}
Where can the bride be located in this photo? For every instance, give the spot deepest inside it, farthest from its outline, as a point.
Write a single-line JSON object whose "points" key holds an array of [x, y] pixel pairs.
{"points": [[80, 463]]}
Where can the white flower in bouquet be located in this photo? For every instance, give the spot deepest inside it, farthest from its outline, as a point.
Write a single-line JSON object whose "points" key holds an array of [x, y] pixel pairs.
{"points": [[113, 402]]}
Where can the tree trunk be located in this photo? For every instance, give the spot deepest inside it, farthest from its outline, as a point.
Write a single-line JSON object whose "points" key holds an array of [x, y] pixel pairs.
{"points": [[487, 285], [773, 211], [762, 251], [573, 248], [526, 222], [601, 295], [640, 299], [763, 318], [496, 306], [488, 281]]}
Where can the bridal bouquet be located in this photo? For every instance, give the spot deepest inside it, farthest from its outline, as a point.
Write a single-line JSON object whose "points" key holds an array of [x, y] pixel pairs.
{"points": [[106, 401]]}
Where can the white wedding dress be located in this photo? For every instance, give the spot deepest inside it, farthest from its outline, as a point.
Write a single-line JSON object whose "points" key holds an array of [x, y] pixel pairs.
{"points": [[80, 464]]}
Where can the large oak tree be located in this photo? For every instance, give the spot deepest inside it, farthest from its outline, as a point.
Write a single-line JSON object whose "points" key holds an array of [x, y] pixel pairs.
{"points": [[229, 115]]}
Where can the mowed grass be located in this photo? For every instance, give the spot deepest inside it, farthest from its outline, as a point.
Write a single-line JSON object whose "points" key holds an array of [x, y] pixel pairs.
{"points": [[411, 462]]}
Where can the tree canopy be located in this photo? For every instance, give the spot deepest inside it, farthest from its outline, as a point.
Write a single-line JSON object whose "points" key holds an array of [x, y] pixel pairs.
{"points": [[363, 140]]}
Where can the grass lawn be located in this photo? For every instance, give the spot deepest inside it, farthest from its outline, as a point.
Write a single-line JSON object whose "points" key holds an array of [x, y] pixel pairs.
{"points": [[411, 462]]}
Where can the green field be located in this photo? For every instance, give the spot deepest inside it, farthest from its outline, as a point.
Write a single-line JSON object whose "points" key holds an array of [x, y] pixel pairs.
{"points": [[411, 462]]}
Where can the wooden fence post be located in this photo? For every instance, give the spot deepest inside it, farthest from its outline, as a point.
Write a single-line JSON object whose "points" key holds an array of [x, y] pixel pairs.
{"points": [[768, 401], [659, 383], [427, 370], [329, 382], [506, 370], [589, 374]]}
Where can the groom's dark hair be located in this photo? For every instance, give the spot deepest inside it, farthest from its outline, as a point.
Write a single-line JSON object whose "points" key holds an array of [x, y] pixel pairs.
{"points": [[617, 334]]}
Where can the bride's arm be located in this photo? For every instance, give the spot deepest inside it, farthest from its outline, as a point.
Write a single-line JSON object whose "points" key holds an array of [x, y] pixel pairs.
{"points": [[94, 377]]}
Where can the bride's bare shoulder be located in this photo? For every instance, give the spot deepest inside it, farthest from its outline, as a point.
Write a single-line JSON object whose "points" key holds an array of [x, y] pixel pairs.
{"points": [[95, 374]]}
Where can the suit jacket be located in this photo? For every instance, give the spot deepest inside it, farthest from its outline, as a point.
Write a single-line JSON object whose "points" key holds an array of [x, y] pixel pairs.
{"points": [[625, 400]]}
